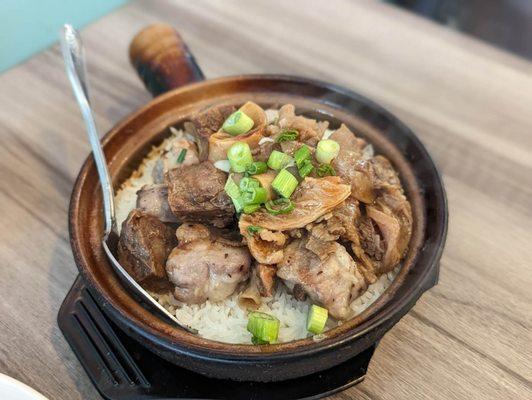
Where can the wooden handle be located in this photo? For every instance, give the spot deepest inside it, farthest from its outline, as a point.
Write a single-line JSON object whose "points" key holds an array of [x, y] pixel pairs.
{"points": [[162, 60]]}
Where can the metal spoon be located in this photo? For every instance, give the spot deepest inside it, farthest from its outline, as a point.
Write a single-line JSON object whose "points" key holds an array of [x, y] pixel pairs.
{"points": [[74, 59]]}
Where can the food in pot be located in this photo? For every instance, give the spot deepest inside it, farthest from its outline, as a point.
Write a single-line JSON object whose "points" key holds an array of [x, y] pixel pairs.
{"points": [[262, 226], [205, 265], [196, 194], [143, 249]]}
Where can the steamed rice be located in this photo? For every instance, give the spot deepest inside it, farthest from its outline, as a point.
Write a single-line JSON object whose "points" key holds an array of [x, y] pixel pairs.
{"points": [[225, 321]]}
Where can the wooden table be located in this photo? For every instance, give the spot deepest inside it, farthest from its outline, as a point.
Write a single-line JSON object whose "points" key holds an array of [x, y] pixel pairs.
{"points": [[468, 338]]}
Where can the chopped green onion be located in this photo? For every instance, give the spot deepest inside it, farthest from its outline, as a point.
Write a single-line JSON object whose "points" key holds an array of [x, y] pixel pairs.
{"points": [[181, 156], [325, 170], [284, 183], [233, 191], [254, 229], [303, 162], [255, 340], [238, 202], [279, 206], [287, 136], [239, 155], [231, 188], [256, 195], [250, 208], [317, 318], [258, 167], [237, 123], [306, 168], [301, 155], [263, 327], [326, 151], [247, 184], [278, 160]]}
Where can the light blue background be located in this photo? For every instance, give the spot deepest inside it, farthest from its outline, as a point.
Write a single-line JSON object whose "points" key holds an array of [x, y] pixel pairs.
{"points": [[28, 26]]}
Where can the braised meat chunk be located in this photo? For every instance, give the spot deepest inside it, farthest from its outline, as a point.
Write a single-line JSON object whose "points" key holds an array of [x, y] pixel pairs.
{"points": [[333, 282], [204, 124], [393, 216], [144, 245], [209, 121], [382, 173], [205, 266], [347, 224], [382, 232], [347, 164], [153, 200], [196, 194], [386, 229]]}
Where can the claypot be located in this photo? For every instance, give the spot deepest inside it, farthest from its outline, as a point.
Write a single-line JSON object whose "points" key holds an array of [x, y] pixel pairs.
{"points": [[166, 66]]}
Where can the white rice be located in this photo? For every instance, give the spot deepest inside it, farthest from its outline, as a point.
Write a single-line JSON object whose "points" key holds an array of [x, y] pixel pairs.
{"points": [[225, 321], [126, 197]]}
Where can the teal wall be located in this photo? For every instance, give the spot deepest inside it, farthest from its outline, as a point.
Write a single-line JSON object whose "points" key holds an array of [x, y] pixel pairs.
{"points": [[28, 26]]}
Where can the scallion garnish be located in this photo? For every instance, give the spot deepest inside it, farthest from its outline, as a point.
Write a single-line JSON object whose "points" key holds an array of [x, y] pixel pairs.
{"points": [[255, 195], [255, 341], [287, 136], [258, 167], [278, 160], [325, 170], [239, 155], [237, 123], [263, 327], [317, 318], [304, 164], [181, 156], [284, 183], [238, 202], [233, 191], [247, 183], [254, 229], [326, 151], [306, 168], [279, 206], [301, 155], [250, 208], [231, 188]]}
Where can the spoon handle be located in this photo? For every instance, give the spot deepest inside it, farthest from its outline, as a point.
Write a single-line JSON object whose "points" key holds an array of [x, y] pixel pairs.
{"points": [[74, 58]]}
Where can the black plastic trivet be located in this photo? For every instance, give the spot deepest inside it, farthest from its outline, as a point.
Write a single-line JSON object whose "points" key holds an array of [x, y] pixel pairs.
{"points": [[121, 368]]}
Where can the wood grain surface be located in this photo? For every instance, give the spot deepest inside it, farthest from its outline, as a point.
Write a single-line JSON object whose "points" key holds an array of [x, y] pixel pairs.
{"points": [[468, 338]]}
